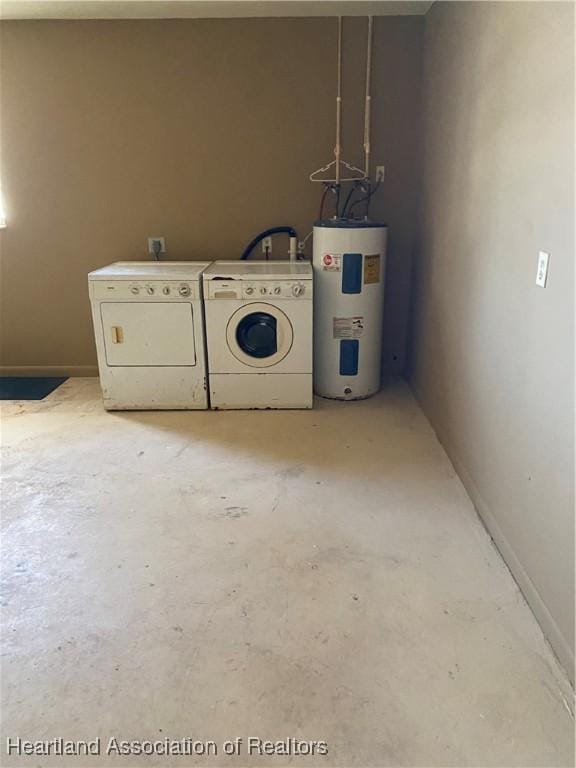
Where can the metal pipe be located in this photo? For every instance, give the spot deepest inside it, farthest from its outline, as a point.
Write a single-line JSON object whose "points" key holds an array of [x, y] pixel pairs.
{"points": [[338, 147], [368, 102]]}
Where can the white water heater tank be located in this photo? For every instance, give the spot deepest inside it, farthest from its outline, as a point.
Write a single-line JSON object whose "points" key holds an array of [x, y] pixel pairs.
{"points": [[349, 261]]}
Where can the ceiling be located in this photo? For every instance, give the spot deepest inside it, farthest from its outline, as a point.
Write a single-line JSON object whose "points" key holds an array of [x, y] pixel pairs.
{"points": [[198, 9]]}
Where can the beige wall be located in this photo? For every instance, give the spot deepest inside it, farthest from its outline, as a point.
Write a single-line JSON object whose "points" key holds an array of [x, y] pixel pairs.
{"points": [[203, 131], [493, 353]]}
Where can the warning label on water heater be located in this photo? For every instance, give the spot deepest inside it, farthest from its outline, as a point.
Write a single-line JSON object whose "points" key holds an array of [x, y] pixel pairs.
{"points": [[372, 269], [348, 327]]}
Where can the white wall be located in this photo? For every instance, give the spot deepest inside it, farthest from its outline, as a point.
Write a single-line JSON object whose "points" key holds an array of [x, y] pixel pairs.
{"points": [[493, 353]]}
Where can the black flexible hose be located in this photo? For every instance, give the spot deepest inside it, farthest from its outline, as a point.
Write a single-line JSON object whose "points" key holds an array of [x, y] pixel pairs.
{"points": [[365, 199], [322, 201], [267, 233], [352, 191]]}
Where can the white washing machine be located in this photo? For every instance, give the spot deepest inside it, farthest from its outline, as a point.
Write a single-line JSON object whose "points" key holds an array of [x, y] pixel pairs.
{"points": [[149, 328], [259, 333]]}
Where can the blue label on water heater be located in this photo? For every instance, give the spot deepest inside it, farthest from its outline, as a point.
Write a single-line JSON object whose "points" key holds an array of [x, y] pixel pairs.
{"points": [[349, 349], [352, 273]]}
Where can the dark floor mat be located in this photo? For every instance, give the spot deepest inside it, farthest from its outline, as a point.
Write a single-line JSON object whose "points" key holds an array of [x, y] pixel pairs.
{"points": [[28, 387]]}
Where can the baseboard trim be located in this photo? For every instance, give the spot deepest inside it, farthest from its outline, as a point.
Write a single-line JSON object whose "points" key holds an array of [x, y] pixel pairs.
{"points": [[49, 370], [552, 633]]}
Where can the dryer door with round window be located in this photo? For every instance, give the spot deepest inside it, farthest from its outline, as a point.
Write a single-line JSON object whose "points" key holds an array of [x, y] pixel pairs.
{"points": [[259, 335]]}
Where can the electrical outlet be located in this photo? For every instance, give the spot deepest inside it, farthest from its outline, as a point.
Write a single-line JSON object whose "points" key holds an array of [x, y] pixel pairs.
{"points": [[267, 244], [380, 173], [542, 269], [156, 245]]}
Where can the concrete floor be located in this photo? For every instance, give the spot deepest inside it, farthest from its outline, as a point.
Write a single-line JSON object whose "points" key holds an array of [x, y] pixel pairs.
{"points": [[319, 575]]}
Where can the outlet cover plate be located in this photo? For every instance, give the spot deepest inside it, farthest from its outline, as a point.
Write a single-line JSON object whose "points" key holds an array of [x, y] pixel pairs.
{"points": [[151, 243]]}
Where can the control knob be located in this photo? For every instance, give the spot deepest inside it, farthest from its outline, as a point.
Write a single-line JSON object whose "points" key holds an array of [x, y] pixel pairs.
{"points": [[135, 290], [184, 290], [249, 290], [149, 290], [166, 290], [297, 289], [263, 290], [277, 290]]}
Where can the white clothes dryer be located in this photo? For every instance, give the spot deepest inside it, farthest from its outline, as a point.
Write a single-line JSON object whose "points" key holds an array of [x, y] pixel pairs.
{"points": [[149, 329]]}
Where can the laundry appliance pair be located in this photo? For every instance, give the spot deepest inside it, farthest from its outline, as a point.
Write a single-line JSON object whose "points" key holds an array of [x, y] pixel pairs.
{"points": [[197, 335]]}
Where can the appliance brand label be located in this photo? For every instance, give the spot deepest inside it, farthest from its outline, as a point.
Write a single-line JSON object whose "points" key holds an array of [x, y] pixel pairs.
{"points": [[347, 327], [372, 269], [331, 262]]}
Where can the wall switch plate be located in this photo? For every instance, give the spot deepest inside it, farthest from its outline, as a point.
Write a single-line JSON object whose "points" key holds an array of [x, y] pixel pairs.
{"points": [[267, 244], [542, 270], [380, 173], [156, 245]]}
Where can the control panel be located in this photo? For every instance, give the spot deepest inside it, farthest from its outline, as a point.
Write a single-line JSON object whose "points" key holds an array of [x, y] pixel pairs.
{"points": [[258, 289], [141, 290]]}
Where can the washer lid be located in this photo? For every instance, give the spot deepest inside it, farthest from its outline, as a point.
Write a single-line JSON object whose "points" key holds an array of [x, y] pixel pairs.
{"points": [[151, 270], [350, 224], [258, 270]]}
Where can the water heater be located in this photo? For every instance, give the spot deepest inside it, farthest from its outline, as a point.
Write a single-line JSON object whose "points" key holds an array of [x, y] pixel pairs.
{"points": [[349, 260]]}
